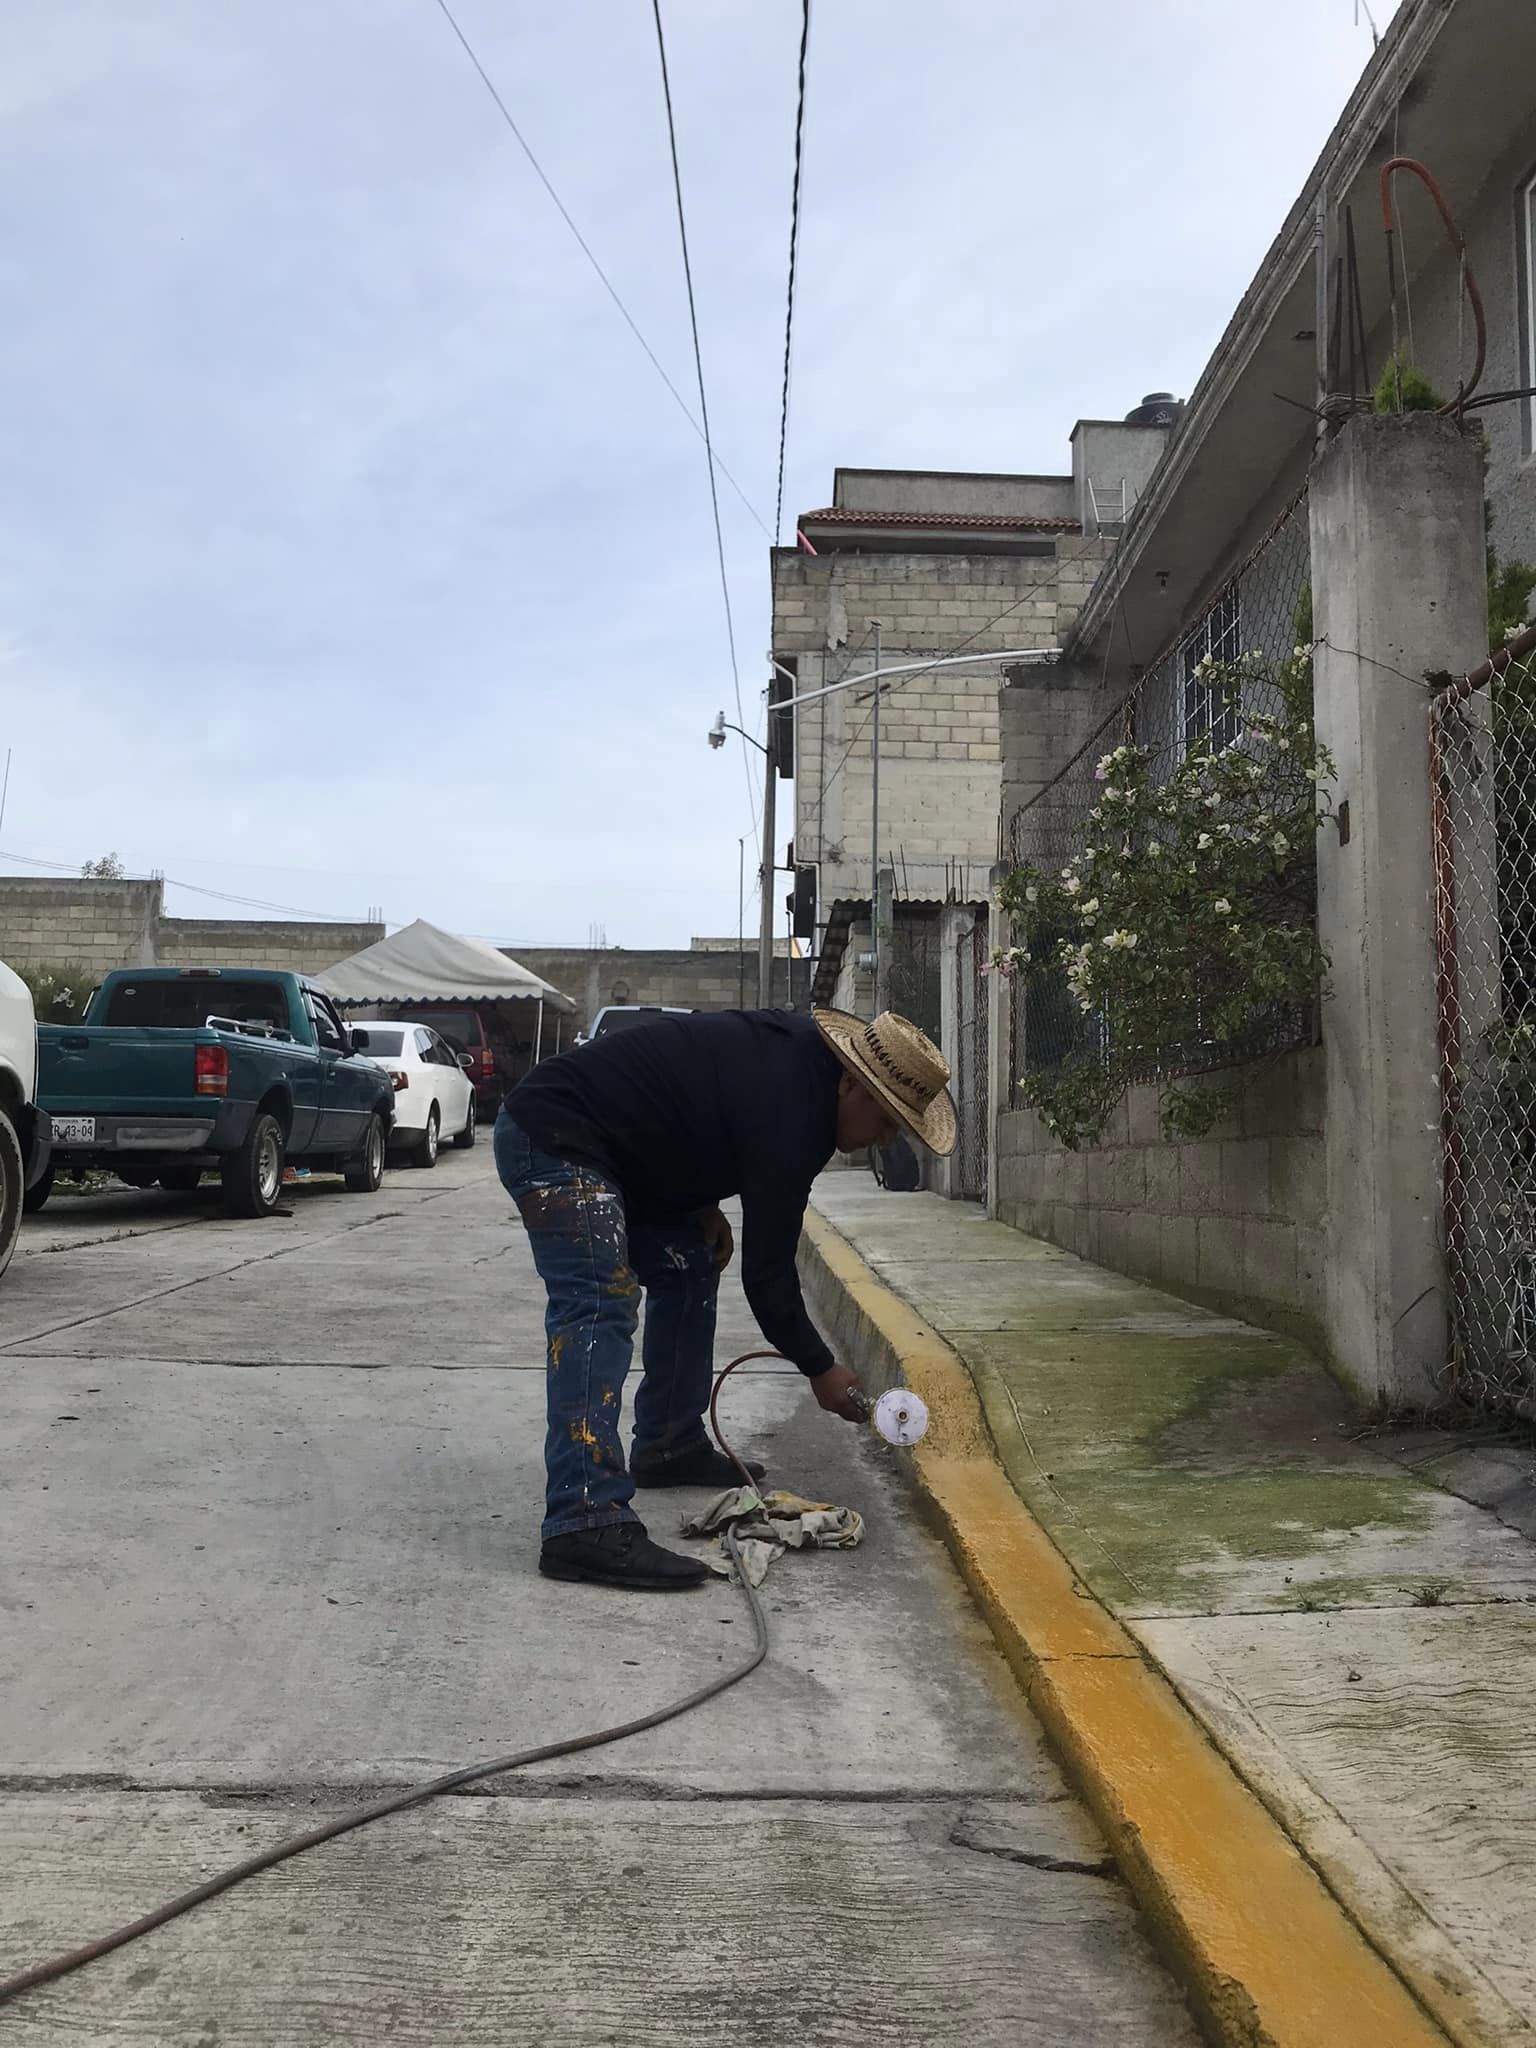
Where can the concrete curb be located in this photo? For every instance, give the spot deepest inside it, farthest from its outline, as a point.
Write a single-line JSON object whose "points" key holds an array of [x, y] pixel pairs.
{"points": [[1268, 1956]]}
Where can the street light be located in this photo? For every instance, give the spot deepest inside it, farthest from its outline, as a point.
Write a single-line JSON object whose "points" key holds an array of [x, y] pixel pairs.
{"points": [[716, 736]]}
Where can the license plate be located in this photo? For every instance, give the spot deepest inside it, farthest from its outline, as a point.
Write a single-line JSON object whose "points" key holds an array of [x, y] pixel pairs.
{"points": [[74, 1130]]}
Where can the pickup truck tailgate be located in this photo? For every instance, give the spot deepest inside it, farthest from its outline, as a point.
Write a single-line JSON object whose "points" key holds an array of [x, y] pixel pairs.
{"points": [[82, 1070]]}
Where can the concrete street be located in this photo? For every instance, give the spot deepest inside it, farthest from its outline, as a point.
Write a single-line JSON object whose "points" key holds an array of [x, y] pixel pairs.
{"points": [[269, 1496]]}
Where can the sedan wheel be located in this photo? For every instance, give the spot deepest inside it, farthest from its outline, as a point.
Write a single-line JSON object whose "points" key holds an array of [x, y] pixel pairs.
{"points": [[431, 1138]]}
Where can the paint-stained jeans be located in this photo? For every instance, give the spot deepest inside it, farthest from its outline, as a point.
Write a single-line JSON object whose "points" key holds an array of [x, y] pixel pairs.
{"points": [[594, 1266]]}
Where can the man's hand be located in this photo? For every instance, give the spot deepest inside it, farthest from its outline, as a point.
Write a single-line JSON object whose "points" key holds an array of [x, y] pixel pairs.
{"points": [[833, 1388], [717, 1235]]}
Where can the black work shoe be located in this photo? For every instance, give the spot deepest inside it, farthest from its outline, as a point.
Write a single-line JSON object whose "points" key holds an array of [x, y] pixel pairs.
{"points": [[620, 1555], [699, 1465]]}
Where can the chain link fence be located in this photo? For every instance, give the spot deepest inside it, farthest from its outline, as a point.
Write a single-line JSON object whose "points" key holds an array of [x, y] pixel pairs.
{"points": [[1183, 699], [1483, 766]]}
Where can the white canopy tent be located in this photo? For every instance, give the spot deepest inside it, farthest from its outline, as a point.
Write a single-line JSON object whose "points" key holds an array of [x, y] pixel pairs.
{"points": [[423, 964]]}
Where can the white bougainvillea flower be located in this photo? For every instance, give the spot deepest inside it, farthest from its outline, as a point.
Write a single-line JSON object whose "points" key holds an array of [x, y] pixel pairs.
{"points": [[1031, 894], [1072, 885], [1221, 906], [1280, 843], [1202, 843], [1090, 906]]}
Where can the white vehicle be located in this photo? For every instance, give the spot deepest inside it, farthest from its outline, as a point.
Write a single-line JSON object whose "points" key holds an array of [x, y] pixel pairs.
{"points": [[22, 1143], [434, 1096], [624, 1016]]}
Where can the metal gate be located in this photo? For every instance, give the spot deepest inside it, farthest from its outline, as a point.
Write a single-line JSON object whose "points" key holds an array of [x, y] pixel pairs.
{"points": [[971, 1080], [1483, 818]]}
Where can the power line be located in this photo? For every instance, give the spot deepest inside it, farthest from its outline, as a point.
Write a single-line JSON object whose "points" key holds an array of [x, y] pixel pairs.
{"points": [[603, 277], [64, 867], [698, 364], [794, 256]]}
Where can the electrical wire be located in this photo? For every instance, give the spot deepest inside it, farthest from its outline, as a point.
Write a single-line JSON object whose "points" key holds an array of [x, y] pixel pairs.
{"points": [[586, 249], [794, 258], [698, 364], [417, 1795], [64, 867]]}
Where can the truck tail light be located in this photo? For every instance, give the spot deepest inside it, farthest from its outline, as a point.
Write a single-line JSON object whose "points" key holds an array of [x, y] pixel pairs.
{"points": [[399, 1079], [210, 1067], [487, 1064]]}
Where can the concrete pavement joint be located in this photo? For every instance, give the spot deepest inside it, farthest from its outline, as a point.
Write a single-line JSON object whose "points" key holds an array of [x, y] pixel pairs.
{"points": [[1104, 1867], [183, 1286], [518, 1785]]}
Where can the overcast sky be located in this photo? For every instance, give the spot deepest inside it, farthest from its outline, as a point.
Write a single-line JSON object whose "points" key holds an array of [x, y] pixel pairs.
{"points": [[352, 553]]}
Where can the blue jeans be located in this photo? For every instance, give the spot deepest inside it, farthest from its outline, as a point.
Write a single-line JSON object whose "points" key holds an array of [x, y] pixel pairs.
{"points": [[594, 1266]]}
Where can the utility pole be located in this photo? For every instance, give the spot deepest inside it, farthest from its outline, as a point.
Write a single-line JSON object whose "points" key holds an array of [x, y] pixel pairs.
{"points": [[874, 814], [741, 923], [765, 924]]}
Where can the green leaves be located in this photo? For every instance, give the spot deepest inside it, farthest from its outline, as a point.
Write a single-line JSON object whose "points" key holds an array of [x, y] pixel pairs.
{"points": [[1186, 922]]}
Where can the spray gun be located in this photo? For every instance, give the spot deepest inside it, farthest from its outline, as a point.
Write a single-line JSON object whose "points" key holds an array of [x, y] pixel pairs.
{"points": [[899, 1415]]}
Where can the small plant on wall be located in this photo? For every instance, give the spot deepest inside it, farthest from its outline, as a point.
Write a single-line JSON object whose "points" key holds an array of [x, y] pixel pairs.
{"points": [[1187, 924]]}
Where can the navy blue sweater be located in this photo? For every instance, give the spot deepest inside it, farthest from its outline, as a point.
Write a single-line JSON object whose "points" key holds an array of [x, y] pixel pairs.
{"points": [[685, 1111]]}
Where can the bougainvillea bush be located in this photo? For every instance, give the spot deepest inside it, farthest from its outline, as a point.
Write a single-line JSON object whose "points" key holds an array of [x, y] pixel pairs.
{"points": [[1185, 929]]}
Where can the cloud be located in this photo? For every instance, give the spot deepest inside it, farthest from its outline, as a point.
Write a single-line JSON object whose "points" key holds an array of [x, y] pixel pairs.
{"points": [[348, 535]]}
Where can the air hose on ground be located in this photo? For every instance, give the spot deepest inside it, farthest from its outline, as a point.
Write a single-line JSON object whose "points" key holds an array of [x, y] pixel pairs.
{"points": [[418, 1795]]}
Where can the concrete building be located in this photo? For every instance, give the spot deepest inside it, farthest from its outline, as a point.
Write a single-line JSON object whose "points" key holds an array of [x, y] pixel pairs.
{"points": [[947, 562], [97, 924], [1319, 1208]]}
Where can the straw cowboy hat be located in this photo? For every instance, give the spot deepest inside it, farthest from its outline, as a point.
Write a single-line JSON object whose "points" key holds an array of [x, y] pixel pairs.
{"points": [[899, 1065]]}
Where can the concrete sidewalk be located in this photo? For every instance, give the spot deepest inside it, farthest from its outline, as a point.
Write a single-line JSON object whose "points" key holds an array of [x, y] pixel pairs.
{"points": [[1357, 1641]]}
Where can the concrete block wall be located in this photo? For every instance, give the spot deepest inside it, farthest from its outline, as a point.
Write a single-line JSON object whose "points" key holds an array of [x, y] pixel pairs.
{"points": [[61, 922], [940, 742], [1044, 717], [691, 980], [1235, 1219], [98, 925], [299, 947]]}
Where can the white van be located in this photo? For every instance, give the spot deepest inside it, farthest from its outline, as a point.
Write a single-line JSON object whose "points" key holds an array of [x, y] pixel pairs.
{"points": [[23, 1146]]}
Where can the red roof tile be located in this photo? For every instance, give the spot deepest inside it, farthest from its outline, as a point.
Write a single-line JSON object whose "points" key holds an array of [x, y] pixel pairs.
{"points": [[843, 515]]}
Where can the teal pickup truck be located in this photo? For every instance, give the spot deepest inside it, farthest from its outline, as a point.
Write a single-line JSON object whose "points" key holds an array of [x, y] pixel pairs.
{"points": [[177, 1072]]}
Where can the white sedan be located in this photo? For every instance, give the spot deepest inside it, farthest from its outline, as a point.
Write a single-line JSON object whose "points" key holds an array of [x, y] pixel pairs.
{"points": [[434, 1096]]}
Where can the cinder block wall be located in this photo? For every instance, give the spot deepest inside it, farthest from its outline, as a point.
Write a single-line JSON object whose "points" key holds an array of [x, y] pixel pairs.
{"points": [[688, 979], [1235, 1219], [941, 749], [301, 948], [48, 921]]}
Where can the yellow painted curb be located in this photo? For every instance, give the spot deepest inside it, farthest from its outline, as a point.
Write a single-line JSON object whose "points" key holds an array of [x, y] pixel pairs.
{"points": [[1269, 1957]]}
